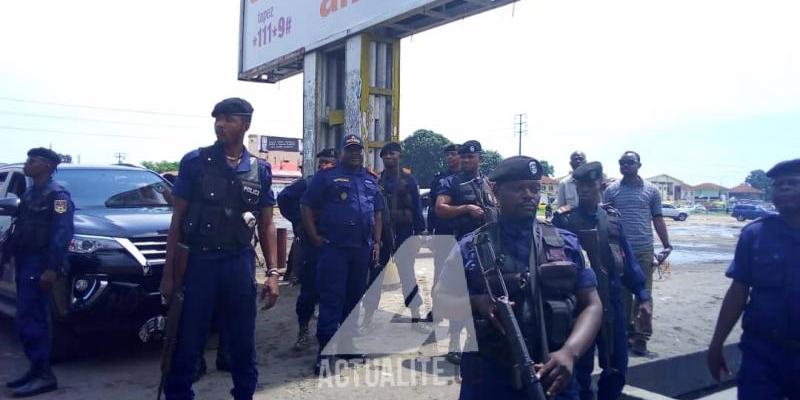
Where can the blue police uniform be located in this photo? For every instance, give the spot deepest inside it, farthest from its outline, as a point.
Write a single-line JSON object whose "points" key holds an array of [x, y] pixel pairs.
{"points": [[409, 200], [344, 201], [767, 260], [612, 378], [452, 186], [44, 229], [289, 204], [436, 225], [218, 275], [482, 378]]}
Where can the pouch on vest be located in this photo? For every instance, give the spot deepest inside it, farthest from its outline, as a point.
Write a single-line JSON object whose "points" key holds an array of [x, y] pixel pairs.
{"points": [[214, 188]]}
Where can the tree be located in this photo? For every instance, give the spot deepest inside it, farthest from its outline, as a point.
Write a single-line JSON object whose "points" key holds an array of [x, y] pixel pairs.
{"points": [[491, 159], [759, 180], [422, 152], [161, 166], [549, 170]]}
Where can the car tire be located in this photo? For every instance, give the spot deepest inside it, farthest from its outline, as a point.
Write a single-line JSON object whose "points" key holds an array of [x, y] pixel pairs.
{"points": [[681, 217], [740, 218]]}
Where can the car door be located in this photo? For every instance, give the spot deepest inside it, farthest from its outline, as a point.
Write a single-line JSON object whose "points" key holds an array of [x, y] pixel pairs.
{"points": [[14, 186]]}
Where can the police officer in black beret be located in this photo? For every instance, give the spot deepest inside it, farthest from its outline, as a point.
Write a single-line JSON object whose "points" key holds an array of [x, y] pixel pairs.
{"points": [[39, 243], [600, 231]]}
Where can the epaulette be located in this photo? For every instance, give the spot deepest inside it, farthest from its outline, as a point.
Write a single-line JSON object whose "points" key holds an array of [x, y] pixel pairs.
{"points": [[760, 220], [564, 209]]}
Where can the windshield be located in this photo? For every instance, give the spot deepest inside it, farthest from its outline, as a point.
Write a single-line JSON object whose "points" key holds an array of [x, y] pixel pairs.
{"points": [[116, 188]]}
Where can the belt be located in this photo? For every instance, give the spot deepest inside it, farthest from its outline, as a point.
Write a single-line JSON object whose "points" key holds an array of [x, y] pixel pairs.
{"points": [[206, 249]]}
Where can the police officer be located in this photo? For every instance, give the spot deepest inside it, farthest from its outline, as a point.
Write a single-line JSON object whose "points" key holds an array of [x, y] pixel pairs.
{"points": [[289, 204], [766, 287], [346, 205], [43, 230], [219, 189], [466, 201], [518, 240], [402, 220], [465, 198], [619, 266]]}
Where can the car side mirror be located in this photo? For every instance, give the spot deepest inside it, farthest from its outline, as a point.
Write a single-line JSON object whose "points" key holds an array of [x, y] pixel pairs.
{"points": [[9, 206]]}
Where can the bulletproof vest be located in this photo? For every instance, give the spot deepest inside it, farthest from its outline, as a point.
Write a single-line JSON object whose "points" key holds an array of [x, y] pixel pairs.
{"points": [[219, 199], [473, 191], [399, 199], [608, 231], [554, 282], [32, 233]]}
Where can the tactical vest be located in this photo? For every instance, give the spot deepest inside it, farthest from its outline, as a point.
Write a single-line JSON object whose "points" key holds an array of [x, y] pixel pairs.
{"points": [[32, 232], [608, 231], [477, 192], [399, 200], [220, 197], [556, 276]]}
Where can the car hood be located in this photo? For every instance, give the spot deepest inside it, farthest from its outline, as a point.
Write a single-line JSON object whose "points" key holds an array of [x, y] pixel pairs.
{"points": [[123, 222]]}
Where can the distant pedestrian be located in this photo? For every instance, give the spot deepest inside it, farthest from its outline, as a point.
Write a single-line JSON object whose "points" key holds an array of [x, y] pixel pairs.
{"points": [[566, 193], [639, 202]]}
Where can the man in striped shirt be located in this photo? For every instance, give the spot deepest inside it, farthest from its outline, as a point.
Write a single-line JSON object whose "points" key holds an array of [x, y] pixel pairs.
{"points": [[639, 202]]}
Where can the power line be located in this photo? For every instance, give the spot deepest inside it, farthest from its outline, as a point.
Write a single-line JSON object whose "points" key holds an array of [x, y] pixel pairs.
{"points": [[105, 121], [128, 110], [15, 128], [521, 128]]}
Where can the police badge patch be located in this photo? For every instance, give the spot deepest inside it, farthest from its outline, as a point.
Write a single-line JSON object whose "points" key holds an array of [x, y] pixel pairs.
{"points": [[60, 206], [532, 166]]}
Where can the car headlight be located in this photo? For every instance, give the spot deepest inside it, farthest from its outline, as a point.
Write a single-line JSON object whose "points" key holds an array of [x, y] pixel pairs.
{"points": [[86, 244]]}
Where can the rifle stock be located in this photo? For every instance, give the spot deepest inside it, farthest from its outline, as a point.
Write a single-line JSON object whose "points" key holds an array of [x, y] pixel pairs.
{"points": [[173, 313], [590, 242]]}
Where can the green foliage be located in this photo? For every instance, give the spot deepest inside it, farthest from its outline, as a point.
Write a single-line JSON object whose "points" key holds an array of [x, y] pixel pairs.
{"points": [[161, 166], [759, 180], [549, 170], [422, 152], [490, 161]]}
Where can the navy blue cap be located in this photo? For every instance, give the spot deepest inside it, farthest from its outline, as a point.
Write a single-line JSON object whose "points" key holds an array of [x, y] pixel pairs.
{"points": [[351, 140], [391, 146], [517, 168], [788, 167], [469, 147], [232, 106], [450, 147], [329, 152], [49, 155], [588, 172]]}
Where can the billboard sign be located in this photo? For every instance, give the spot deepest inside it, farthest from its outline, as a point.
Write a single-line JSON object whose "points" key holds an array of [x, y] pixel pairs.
{"points": [[276, 143]]}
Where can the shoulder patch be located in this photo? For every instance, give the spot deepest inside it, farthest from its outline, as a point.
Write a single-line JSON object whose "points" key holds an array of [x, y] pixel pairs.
{"points": [[60, 206]]}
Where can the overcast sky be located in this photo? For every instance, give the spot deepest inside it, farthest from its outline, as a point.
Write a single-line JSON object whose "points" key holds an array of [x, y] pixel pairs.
{"points": [[706, 91]]}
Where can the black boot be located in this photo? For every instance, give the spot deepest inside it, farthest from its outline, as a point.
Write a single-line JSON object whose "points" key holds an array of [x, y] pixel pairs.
{"points": [[21, 380], [302, 339], [43, 381]]}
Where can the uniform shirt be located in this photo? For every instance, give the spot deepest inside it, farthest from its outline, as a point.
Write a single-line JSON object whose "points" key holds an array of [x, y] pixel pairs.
{"points": [[437, 225], [191, 169], [638, 202], [62, 227], [418, 223], [567, 192], [767, 260], [516, 236], [449, 187], [345, 202], [632, 276], [289, 200]]}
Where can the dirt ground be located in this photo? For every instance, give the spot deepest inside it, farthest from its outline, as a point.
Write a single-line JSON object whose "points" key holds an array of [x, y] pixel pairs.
{"points": [[687, 300]]}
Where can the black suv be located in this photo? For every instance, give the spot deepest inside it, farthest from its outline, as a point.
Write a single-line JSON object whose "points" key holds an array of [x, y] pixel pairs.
{"points": [[110, 281]]}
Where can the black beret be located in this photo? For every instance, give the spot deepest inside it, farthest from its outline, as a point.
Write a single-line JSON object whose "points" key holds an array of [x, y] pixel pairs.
{"points": [[45, 153], [788, 167], [330, 153], [450, 147], [232, 106], [588, 172], [517, 168], [470, 146], [391, 146]]}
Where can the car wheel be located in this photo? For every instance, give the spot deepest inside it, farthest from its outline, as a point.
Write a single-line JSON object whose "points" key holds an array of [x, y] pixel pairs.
{"points": [[740, 218], [681, 217]]}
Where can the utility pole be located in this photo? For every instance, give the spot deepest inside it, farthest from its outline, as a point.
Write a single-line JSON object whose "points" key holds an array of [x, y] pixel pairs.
{"points": [[120, 157], [520, 128]]}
